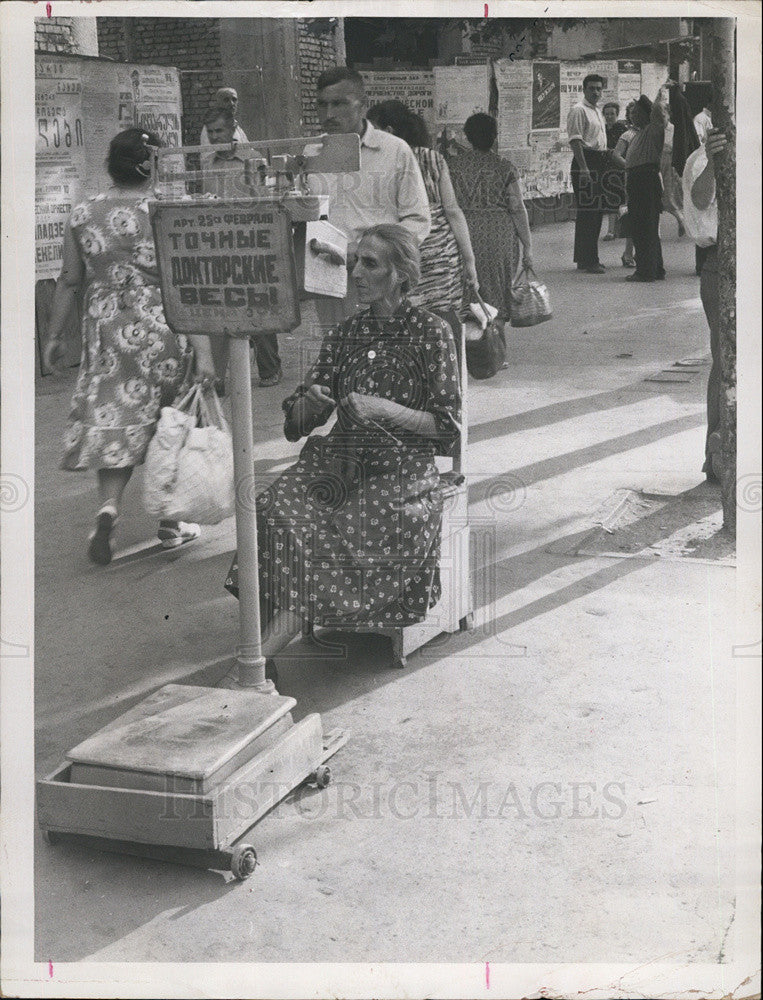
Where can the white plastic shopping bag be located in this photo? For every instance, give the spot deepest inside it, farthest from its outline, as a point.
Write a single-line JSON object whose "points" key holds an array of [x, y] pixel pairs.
{"points": [[188, 473]]}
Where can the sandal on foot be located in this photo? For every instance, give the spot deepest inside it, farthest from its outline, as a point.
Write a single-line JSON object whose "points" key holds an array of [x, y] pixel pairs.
{"points": [[173, 534], [99, 541]]}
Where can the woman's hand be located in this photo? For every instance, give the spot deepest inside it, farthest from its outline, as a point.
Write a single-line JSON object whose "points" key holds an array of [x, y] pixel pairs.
{"points": [[54, 354], [364, 409], [205, 373], [318, 397], [470, 270]]}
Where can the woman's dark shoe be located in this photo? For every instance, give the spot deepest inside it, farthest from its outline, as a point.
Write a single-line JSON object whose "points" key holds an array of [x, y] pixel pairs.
{"points": [[628, 261], [99, 541]]}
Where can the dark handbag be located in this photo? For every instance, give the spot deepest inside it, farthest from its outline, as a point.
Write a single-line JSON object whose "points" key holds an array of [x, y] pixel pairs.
{"points": [[486, 355]]}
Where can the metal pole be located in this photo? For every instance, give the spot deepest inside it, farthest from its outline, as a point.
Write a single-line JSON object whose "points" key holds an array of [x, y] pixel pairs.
{"points": [[249, 658]]}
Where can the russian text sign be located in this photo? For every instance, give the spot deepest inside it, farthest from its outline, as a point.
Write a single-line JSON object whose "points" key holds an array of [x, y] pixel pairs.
{"points": [[80, 105], [226, 267]]}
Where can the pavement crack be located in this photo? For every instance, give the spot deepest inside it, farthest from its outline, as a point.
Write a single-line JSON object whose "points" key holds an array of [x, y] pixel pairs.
{"points": [[721, 953]]}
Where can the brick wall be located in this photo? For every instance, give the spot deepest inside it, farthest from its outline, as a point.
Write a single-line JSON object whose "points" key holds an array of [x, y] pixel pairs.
{"points": [[317, 51], [192, 45], [54, 34]]}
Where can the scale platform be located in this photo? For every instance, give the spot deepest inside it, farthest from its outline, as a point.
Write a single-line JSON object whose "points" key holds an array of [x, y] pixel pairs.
{"points": [[184, 774]]}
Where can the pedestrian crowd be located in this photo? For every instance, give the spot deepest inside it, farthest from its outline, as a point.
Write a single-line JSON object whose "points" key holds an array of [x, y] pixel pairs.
{"points": [[426, 237]]}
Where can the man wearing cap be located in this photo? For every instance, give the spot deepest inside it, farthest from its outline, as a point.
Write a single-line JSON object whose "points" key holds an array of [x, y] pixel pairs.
{"points": [[644, 187], [224, 175], [226, 99], [587, 135]]}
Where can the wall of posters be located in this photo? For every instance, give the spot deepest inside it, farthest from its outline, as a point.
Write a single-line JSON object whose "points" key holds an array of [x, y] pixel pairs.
{"points": [[539, 155], [460, 91], [415, 88], [80, 105]]}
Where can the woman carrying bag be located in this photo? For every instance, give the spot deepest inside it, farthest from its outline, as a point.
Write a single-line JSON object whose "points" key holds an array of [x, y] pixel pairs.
{"points": [[487, 189], [132, 363]]}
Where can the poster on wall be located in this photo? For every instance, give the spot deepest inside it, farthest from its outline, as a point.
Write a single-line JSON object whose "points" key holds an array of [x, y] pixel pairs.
{"points": [[156, 94], [60, 158], [80, 105], [415, 88], [538, 154], [628, 82], [545, 96], [653, 76], [460, 91], [514, 82]]}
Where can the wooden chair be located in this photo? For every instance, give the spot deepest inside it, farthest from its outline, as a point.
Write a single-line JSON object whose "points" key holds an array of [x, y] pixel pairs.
{"points": [[453, 612]]}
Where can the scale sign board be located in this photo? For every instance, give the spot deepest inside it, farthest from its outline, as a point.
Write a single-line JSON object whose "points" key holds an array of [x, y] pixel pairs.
{"points": [[226, 267]]}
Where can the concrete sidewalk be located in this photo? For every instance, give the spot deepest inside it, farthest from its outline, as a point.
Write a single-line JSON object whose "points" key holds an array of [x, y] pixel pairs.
{"points": [[555, 786]]}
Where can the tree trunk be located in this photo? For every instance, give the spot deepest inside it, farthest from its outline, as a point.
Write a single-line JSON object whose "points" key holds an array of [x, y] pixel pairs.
{"points": [[724, 72]]}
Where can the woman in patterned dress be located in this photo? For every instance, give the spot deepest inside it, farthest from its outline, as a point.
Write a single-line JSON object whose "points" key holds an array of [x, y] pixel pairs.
{"points": [[132, 363], [351, 533], [447, 257], [487, 189]]}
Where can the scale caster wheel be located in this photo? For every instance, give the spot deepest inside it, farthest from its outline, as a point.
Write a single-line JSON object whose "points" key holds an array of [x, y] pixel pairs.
{"points": [[321, 776], [243, 861], [50, 837]]}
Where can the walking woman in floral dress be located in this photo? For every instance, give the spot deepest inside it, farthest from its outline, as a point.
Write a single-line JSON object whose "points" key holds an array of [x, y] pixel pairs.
{"points": [[132, 363]]}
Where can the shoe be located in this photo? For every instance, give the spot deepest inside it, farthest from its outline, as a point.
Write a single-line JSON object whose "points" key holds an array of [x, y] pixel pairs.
{"points": [[270, 380], [173, 534], [628, 261], [594, 269], [99, 541], [608, 237], [638, 277]]}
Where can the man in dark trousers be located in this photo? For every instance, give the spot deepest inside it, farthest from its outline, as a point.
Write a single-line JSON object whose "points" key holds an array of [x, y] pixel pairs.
{"points": [[644, 187], [586, 133]]}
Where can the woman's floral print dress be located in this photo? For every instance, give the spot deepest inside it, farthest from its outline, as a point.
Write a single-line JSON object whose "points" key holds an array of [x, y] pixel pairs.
{"points": [[132, 363], [351, 533]]}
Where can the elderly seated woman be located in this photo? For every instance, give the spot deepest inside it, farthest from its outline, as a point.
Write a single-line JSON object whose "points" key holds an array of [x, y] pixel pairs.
{"points": [[350, 534]]}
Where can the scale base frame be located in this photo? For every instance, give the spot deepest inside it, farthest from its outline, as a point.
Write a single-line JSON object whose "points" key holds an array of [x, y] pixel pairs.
{"points": [[206, 830]]}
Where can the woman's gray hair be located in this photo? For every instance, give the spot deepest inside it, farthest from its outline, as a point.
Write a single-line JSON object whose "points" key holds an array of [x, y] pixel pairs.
{"points": [[403, 251]]}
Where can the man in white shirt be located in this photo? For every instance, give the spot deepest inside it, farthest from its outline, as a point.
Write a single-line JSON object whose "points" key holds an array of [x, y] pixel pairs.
{"points": [[587, 135], [701, 221], [387, 188]]}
